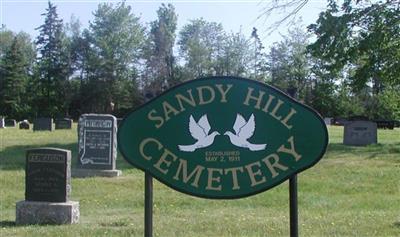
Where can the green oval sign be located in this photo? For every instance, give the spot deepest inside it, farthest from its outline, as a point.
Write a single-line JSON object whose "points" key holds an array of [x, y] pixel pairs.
{"points": [[223, 137]]}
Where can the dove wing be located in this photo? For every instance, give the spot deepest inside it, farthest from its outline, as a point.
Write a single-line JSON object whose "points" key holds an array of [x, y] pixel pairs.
{"points": [[196, 131], [239, 123], [247, 130], [203, 122]]}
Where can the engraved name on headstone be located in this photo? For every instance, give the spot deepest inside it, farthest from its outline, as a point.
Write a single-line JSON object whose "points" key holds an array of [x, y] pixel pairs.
{"points": [[360, 133], [97, 141], [47, 189], [48, 176], [64, 123], [43, 124]]}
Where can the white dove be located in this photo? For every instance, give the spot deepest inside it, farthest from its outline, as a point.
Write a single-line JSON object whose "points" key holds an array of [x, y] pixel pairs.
{"points": [[244, 130], [199, 131]]}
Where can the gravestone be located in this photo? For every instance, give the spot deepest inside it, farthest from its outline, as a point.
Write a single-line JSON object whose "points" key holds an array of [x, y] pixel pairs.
{"points": [[24, 125], [2, 125], [47, 189], [64, 123], [43, 124], [328, 121], [97, 146], [360, 133], [385, 124], [10, 123]]}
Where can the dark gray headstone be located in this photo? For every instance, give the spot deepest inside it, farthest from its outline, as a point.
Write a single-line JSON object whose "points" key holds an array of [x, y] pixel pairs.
{"points": [[97, 138], [48, 175], [64, 123], [24, 125], [360, 133], [10, 123], [43, 124], [2, 125]]}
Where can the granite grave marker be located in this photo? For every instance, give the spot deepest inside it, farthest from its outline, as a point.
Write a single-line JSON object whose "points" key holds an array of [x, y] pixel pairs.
{"points": [[2, 125], [47, 189], [43, 124], [10, 123], [24, 125], [97, 146], [360, 133], [64, 123]]}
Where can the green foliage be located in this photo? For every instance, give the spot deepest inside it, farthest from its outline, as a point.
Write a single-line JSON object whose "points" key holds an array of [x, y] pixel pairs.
{"points": [[112, 66], [114, 42], [13, 80], [289, 65], [200, 44], [53, 65], [160, 61], [362, 37], [387, 105]]}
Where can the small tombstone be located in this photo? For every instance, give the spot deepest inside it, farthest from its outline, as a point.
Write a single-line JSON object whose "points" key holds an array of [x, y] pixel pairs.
{"points": [[47, 189], [2, 125], [360, 133], [97, 138], [385, 124], [24, 125], [64, 123], [328, 121], [43, 124], [10, 123]]}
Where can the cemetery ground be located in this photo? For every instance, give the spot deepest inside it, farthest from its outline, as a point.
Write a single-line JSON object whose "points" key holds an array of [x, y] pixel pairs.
{"points": [[352, 191]]}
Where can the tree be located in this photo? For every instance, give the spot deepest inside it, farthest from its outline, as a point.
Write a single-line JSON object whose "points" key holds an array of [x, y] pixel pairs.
{"points": [[363, 38], [160, 59], [201, 44], [236, 56], [259, 57], [53, 65], [289, 65], [13, 80], [115, 41]]}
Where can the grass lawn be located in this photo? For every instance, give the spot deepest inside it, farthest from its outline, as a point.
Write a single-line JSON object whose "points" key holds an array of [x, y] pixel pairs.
{"points": [[352, 191]]}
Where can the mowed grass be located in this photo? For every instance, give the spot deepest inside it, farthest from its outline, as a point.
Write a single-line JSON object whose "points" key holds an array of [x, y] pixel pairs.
{"points": [[352, 191]]}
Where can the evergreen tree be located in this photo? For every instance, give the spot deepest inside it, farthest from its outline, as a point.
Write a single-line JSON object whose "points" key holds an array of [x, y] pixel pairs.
{"points": [[160, 59], [13, 81], [53, 64]]}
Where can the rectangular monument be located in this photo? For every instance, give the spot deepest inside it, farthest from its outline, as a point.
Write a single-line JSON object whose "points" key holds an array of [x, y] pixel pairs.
{"points": [[48, 175], [97, 139], [11, 123], [64, 123], [360, 133], [2, 124], [47, 189], [43, 124]]}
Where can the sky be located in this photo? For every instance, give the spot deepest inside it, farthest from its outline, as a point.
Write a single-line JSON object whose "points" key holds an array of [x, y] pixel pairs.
{"points": [[234, 15]]}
